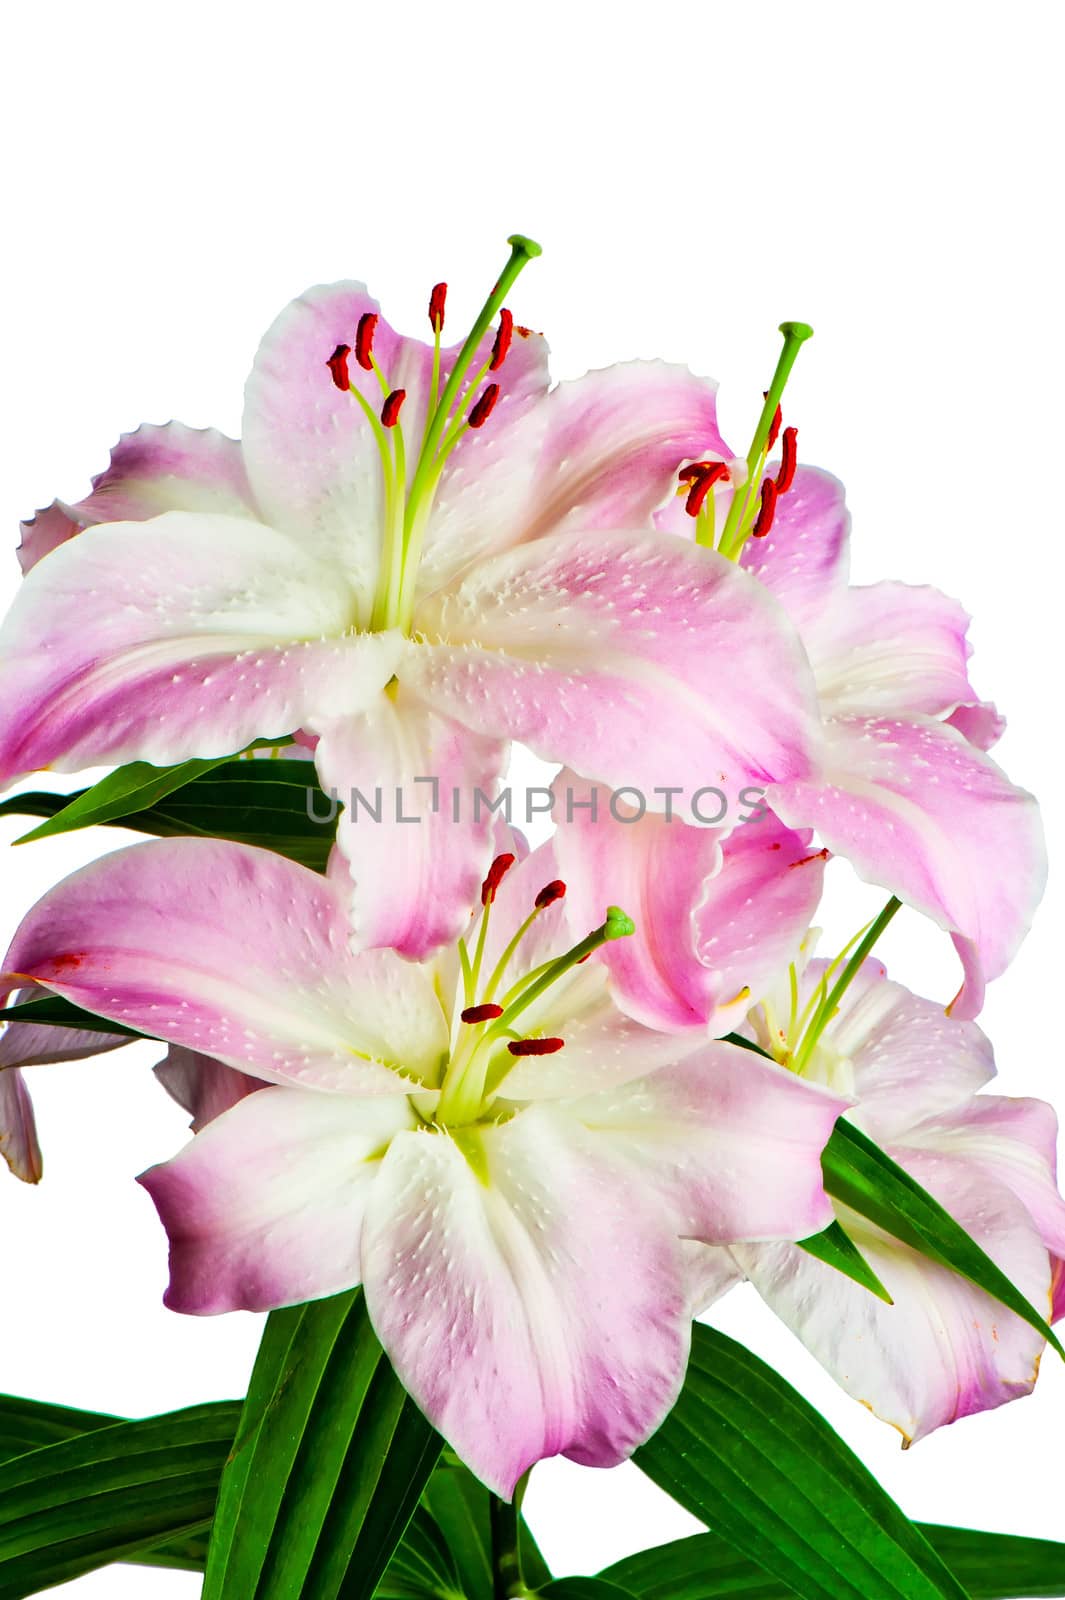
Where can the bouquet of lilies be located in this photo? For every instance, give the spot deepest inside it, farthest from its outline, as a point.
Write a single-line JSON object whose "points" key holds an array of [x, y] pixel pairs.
{"points": [[485, 1128]]}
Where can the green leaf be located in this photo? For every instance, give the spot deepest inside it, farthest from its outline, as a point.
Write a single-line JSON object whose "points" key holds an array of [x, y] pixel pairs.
{"points": [[870, 1183], [836, 1247], [120, 794], [55, 1012], [32, 1424], [328, 1464], [278, 805], [585, 1589], [107, 1494], [747, 1455], [992, 1566], [460, 1507]]}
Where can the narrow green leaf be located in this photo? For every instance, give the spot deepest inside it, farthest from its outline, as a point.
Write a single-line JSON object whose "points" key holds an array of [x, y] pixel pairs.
{"points": [[992, 1566], [108, 1494], [55, 1012], [747, 1455], [459, 1505], [327, 1467], [860, 1175], [836, 1247], [32, 1424], [120, 794]]}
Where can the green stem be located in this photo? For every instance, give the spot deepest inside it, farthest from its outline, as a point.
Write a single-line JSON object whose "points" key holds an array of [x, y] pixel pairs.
{"points": [[823, 1015], [795, 336], [507, 1580]]}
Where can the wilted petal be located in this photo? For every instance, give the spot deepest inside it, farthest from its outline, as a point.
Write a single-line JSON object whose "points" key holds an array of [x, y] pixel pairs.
{"points": [[203, 1086], [265, 1207], [732, 1143], [916, 808], [602, 451], [713, 915], [413, 829], [237, 953], [604, 650], [530, 1303], [186, 636], [18, 1129], [945, 1349]]}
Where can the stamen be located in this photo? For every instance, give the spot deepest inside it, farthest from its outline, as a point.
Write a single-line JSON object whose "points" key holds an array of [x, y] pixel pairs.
{"points": [[485, 1013], [484, 406], [696, 470], [702, 486], [774, 426], [436, 307], [364, 339], [502, 340], [338, 366], [788, 460], [495, 875], [550, 893], [392, 407], [535, 1047], [764, 520]]}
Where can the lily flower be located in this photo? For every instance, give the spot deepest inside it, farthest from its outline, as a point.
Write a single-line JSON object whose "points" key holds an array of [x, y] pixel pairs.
{"points": [[511, 1166], [902, 786], [415, 554], [944, 1349]]}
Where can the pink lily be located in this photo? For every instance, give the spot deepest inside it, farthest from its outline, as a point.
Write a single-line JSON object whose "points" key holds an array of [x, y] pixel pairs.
{"points": [[510, 1165], [414, 582], [903, 787], [944, 1349]]}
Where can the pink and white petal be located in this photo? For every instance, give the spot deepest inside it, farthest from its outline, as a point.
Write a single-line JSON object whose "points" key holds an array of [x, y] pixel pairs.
{"points": [[238, 953], [602, 451], [732, 1144], [30, 1044], [917, 809], [44, 532], [804, 557], [416, 827], [981, 723], [19, 1145], [530, 1303], [201, 1085], [187, 636], [905, 1058], [265, 1207], [1013, 1143], [944, 1349], [711, 1272], [891, 649], [714, 916], [607, 650]]}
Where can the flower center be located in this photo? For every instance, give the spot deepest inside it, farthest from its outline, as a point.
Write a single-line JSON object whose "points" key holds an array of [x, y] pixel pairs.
{"points": [[463, 404], [753, 495], [490, 1039]]}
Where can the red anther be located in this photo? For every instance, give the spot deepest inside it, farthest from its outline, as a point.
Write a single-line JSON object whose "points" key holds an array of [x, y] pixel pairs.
{"points": [[788, 460], [696, 470], [535, 1047], [496, 873], [804, 861], [503, 338], [702, 486], [364, 339], [486, 1013], [550, 893], [392, 407], [774, 426], [764, 520], [436, 306], [483, 406], [338, 366]]}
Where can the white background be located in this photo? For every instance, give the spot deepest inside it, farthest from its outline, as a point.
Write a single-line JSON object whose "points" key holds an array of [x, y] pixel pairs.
{"points": [[695, 173]]}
